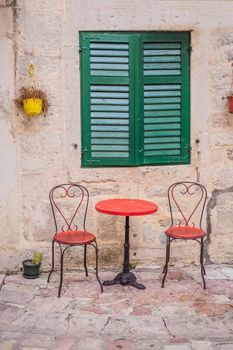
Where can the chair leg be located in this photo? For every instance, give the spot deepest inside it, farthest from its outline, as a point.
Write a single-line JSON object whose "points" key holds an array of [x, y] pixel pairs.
{"points": [[165, 269], [96, 265], [85, 259], [203, 272], [61, 270], [52, 269]]}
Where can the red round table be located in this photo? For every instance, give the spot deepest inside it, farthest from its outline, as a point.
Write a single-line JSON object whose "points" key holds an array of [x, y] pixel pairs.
{"points": [[126, 207]]}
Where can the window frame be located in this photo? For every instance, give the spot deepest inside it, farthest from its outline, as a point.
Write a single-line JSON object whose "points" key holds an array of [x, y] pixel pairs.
{"points": [[136, 98]]}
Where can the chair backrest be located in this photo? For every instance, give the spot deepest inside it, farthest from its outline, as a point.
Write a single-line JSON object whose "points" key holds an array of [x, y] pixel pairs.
{"points": [[69, 203], [187, 202]]}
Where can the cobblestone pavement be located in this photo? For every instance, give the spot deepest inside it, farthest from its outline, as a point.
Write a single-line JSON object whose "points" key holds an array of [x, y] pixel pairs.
{"points": [[181, 316]]}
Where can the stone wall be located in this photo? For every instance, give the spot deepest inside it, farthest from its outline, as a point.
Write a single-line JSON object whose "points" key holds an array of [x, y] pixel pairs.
{"points": [[37, 153]]}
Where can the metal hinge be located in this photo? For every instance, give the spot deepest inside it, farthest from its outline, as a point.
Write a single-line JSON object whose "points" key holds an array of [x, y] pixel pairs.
{"points": [[190, 49], [188, 148], [82, 47], [84, 150]]}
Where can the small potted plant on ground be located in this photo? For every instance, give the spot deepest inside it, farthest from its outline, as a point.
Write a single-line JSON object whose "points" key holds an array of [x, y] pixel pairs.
{"points": [[32, 101], [230, 96], [31, 267]]}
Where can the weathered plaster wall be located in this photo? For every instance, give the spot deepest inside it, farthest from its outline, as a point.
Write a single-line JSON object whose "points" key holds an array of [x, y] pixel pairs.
{"points": [[41, 152]]}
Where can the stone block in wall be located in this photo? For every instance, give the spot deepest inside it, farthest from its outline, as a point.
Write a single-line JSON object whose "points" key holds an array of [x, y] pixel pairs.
{"points": [[110, 255], [36, 187], [46, 68], [45, 7], [149, 233], [38, 222], [167, 175], [103, 189], [41, 142], [153, 190], [34, 38], [42, 163], [221, 248], [224, 214], [108, 229], [222, 177], [221, 120]]}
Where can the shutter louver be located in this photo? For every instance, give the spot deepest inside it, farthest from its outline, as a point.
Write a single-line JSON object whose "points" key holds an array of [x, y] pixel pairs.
{"points": [[109, 121], [162, 120], [109, 106], [162, 66]]}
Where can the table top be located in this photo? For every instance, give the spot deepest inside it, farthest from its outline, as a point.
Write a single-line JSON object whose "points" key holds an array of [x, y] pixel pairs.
{"points": [[126, 207]]}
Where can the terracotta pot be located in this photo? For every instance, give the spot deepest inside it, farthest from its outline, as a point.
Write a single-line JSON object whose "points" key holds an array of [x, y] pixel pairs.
{"points": [[230, 104]]}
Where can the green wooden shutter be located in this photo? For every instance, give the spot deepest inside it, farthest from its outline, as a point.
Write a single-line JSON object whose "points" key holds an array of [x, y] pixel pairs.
{"points": [[107, 130], [166, 98], [135, 98]]}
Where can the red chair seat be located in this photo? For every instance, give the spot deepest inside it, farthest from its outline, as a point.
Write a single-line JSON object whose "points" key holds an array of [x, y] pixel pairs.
{"points": [[74, 237], [185, 232]]}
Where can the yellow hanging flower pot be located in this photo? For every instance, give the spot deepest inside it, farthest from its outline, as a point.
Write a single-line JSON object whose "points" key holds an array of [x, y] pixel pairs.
{"points": [[32, 100], [32, 106]]}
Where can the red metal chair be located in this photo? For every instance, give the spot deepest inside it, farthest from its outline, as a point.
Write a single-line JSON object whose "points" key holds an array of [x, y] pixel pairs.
{"points": [[182, 196], [70, 226]]}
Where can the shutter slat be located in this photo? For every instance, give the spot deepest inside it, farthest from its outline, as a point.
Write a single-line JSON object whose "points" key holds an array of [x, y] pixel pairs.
{"points": [[108, 141], [109, 128], [162, 153], [110, 53], [160, 107], [109, 46], [109, 73], [109, 101], [161, 140], [109, 59], [109, 66], [162, 127], [165, 133], [151, 66], [109, 88], [96, 108], [161, 52], [161, 59], [97, 135], [162, 72], [110, 154], [103, 94], [162, 100], [163, 146], [162, 45], [109, 115], [162, 120], [162, 113], [109, 122], [161, 87], [110, 148]]}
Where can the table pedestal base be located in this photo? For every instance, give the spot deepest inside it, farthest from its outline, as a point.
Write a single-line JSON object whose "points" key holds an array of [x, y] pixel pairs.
{"points": [[124, 279]]}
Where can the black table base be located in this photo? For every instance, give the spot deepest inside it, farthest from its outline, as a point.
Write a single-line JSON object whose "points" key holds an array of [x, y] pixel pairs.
{"points": [[125, 277]]}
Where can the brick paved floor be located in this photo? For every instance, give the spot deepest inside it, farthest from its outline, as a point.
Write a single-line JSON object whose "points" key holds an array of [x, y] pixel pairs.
{"points": [[181, 316]]}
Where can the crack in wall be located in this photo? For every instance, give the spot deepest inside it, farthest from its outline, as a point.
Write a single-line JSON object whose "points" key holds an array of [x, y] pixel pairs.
{"points": [[210, 206]]}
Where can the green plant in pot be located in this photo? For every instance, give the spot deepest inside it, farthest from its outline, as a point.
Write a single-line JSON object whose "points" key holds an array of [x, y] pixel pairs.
{"points": [[31, 267]]}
